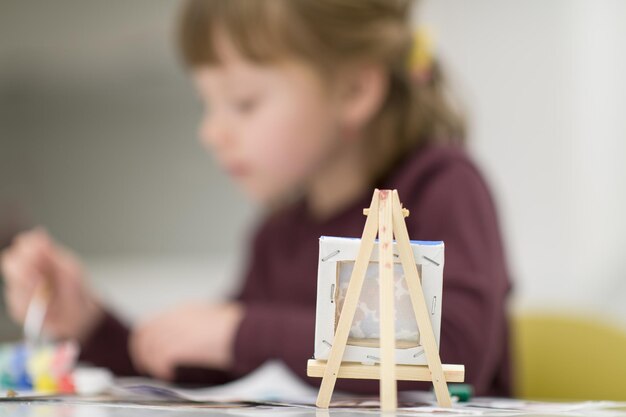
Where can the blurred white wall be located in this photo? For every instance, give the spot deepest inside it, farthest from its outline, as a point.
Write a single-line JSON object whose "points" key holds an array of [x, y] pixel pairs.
{"points": [[101, 125], [97, 142], [546, 93]]}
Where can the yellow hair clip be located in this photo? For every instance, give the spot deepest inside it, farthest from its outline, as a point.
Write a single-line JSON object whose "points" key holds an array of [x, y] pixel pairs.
{"points": [[421, 56]]}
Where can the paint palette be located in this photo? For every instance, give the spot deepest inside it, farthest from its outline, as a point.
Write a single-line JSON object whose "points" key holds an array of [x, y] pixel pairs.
{"points": [[43, 369]]}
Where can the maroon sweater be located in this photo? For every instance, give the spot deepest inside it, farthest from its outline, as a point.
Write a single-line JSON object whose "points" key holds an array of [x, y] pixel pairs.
{"points": [[448, 200]]}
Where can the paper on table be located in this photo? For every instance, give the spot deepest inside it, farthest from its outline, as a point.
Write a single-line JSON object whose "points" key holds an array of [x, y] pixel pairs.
{"points": [[543, 407], [273, 382]]}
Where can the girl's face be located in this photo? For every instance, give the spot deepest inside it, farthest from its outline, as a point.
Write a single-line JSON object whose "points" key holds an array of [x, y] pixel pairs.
{"points": [[271, 127]]}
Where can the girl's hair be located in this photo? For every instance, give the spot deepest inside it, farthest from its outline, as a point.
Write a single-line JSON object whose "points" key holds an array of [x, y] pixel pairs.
{"points": [[331, 34]]}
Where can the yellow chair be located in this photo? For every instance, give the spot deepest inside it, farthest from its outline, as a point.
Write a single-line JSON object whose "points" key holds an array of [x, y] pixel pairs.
{"points": [[560, 357]]}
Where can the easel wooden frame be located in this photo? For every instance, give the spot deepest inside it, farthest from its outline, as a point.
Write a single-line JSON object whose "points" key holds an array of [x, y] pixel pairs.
{"points": [[385, 218]]}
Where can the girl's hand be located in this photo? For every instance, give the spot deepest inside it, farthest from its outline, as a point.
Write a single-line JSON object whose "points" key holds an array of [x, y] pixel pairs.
{"points": [[34, 259], [195, 334]]}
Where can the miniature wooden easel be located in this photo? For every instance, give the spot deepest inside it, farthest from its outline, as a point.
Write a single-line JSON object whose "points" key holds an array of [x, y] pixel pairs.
{"points": [[385, 217]]}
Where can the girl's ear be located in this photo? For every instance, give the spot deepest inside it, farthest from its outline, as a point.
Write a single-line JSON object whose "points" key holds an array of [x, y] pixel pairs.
{"points": [[363, 91]]}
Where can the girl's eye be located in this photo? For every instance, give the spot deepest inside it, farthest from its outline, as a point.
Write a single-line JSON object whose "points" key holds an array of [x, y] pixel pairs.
{"points": [[246, 105]]}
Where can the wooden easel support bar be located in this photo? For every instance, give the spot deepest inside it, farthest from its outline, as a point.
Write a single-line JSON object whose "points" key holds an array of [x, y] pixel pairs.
{"points": [[452, 373], [405, 212]]}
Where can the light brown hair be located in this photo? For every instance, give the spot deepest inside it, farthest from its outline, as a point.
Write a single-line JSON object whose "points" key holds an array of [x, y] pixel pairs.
{"points": [[328, 34]]}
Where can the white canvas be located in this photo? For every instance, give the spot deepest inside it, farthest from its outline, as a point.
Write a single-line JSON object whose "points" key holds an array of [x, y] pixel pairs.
{"points": [[336, 260]]}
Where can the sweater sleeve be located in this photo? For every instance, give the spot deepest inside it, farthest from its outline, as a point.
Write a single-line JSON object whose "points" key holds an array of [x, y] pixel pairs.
{"points": [[107, 346], [270, 330]]}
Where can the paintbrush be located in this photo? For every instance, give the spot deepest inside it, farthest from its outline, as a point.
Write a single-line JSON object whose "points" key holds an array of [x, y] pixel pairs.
{"points": [[36, 313]]}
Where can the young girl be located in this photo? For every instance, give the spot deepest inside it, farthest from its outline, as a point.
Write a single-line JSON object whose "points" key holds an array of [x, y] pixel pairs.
{"points": [[310, 104]]}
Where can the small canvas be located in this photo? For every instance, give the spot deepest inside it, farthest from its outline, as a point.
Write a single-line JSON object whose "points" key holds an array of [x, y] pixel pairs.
{"points": [[336, 262]]}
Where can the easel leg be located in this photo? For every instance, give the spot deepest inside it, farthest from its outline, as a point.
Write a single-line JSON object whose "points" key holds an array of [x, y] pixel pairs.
{"points": [[351, 300], [427, 337], [388, 386]]}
